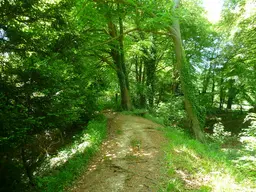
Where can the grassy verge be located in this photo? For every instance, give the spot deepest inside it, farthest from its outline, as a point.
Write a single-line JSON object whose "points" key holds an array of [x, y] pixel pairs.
{"points": [[193, 166], [70, 162], [144, 113], [157, 120]]}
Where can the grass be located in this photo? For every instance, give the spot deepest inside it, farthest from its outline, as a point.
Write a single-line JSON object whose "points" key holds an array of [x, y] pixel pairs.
{"points": [[190, 165], [72, 160], [145, 114], [158, 120], [193, 166], [136, 112]]}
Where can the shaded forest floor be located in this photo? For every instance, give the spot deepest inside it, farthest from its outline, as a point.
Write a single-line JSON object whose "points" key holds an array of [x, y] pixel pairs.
{"points": [[131, 159]]}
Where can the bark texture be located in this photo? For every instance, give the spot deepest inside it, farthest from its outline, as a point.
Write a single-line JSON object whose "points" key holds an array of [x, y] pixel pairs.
{"points": [[180, 66], [117, 54]]}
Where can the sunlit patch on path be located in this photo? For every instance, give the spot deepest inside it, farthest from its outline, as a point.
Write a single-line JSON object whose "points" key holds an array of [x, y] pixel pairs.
{"points": [[130, 160]]}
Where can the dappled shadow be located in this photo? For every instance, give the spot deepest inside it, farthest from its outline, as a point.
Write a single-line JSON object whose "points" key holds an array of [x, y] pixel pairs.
{"points": [[195, 166], [130, 160]]}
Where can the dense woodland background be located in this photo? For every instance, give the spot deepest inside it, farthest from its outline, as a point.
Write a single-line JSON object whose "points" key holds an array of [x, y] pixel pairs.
{"points": [[63, 62]]}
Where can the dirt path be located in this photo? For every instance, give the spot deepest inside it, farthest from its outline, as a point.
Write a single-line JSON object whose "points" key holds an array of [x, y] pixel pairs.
{"points": [[130, 159]]}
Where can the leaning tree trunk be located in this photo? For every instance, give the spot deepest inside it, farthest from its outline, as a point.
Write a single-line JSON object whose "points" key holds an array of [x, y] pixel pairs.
{"points": [[186, 84]]}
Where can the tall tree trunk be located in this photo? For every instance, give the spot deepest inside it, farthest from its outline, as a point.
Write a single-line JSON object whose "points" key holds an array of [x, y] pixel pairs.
{"points": [[232, 92], [126, 100], [150, 65], [27, 167], [143, 99], [229, 103], [213, 89], [140, 81], [117, 54], [222, 97], [121, 50], [184, 77], [207, 79]]}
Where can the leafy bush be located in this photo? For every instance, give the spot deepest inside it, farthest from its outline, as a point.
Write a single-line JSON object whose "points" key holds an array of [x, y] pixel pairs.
{"points": [[193, 166], [245, 159], [39, 95], [248, 135], [251, 130], [172, 112], [219, 134]]}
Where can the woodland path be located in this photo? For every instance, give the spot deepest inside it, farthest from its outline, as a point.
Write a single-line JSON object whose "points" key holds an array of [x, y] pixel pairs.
{"points": [[130, 159]]}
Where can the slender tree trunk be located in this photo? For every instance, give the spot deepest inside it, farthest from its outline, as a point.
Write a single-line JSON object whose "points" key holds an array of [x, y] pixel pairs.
{"points": [[136, 68], [232, 92], [143, 99], [27, 167], [229, 103], [213, 89], [150, 65], [121, 51], [140, 83], [126, 100], [222, 98], [207, 80], [181, 68]]}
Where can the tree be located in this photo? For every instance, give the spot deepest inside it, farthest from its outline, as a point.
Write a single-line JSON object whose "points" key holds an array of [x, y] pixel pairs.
{"points": [[117, 54], [185, 76], [47, 84], [238, 51]]}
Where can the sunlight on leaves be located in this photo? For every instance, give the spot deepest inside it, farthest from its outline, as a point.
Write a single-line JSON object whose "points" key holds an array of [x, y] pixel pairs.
{"points": [[79, 146]]}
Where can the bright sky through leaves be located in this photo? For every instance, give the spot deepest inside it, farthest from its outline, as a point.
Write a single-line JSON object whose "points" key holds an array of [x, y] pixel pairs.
{"points": [[213, 8]]}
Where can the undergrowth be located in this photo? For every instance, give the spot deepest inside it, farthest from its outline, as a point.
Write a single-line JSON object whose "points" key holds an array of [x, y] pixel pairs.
{"points": [[193, 166], [70, 162], [144, 113]]}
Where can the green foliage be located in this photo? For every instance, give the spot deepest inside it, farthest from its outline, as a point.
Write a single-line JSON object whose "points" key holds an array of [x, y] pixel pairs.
{"points": [[251, 130], [190, 92], [219, 134], [85, 145], [59, 68], [237, 52], [172, 112], [193, 166], [244, 158], [158, 120], [109, 102], [46, 82]]}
